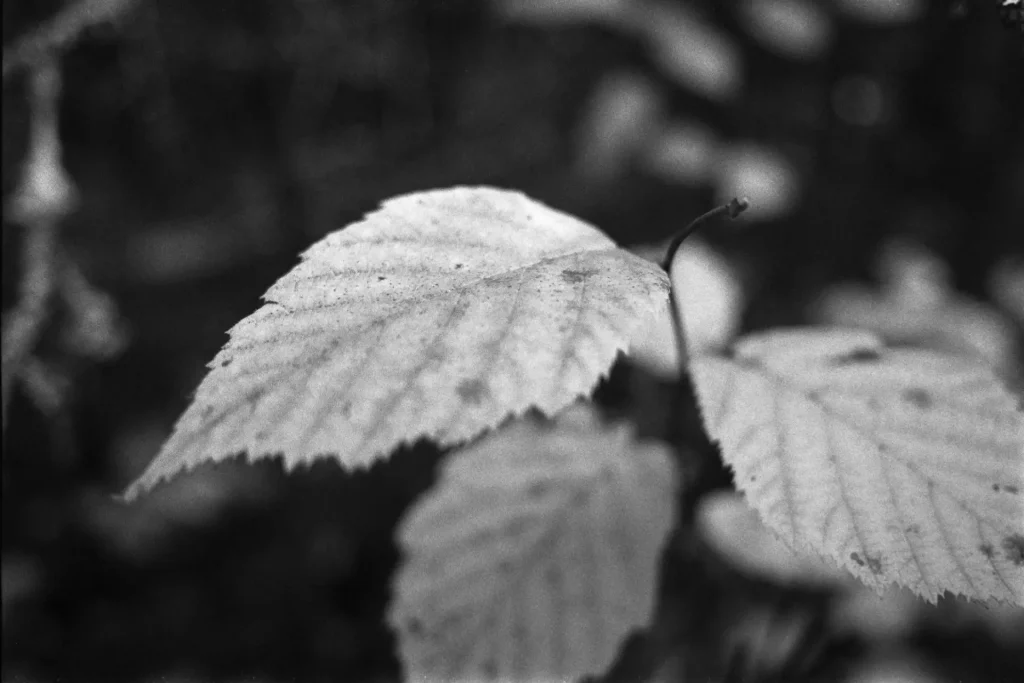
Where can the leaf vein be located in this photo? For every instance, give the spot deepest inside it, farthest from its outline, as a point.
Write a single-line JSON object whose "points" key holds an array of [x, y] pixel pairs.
{"points": [[945, 538]]}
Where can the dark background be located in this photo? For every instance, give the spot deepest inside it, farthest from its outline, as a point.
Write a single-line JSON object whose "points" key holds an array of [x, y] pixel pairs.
{"points": [[211, 142]]}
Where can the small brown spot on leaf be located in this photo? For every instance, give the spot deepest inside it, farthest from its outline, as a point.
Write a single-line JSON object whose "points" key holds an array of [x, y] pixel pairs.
{"points": [[986, 550], [458, 266], [574, 277], [1009, 488], [913, 529], [858, 356], [1013, 546], [537, 489], [381, 278], [252, 397], [490, 667], [919, 398], [472, 391], [872, 563], [225, 363]]}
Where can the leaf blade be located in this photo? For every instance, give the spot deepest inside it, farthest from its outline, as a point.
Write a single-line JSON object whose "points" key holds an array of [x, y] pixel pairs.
{"points": [[436, 316], [900, 465], [563, 567]]}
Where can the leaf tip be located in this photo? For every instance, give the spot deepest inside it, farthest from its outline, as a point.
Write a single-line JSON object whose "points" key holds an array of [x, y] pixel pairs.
{"points": [[142, 484], [154, 475]]}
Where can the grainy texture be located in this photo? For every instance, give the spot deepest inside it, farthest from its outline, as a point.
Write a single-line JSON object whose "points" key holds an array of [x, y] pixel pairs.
{"points": [[534, 557], [904, 466], [437, 316]]}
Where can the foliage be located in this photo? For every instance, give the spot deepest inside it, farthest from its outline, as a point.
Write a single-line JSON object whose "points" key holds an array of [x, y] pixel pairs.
{"points": [[845, 448], [535, 555], [205, 145], [436, 317]]}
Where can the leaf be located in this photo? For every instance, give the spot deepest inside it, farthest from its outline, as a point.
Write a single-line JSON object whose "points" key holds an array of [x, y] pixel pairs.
{"points": [[534, 556], [436, 316], [791, 28], [689, 49], [904, 466], [886, 617], [917, 305], [710, 295], [883, 11], [761, 174], [620, 115], [680, 152], [1006, 285], [729, 525], [561, 12]]}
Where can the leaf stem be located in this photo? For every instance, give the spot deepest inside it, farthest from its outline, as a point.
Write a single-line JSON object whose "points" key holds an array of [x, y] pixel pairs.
{"points": [[733, 209], [683, 390]]}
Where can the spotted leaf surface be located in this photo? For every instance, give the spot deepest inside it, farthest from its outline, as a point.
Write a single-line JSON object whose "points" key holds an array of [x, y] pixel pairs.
{"points": [[904, 466], [436, 316], [534, 556]]}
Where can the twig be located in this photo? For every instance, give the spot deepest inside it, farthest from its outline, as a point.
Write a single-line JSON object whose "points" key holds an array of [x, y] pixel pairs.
{"points": [[22, 326], [45, 196], [60, 32], [93, 329], [46, 386]]}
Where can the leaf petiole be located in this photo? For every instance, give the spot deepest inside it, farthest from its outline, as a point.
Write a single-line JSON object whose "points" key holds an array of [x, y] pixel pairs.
{"points": [[734, 208]]}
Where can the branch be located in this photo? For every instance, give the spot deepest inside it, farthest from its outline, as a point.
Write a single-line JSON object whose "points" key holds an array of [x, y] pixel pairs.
{"points": [[60, 32], [94, 329], [45, 196]]}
